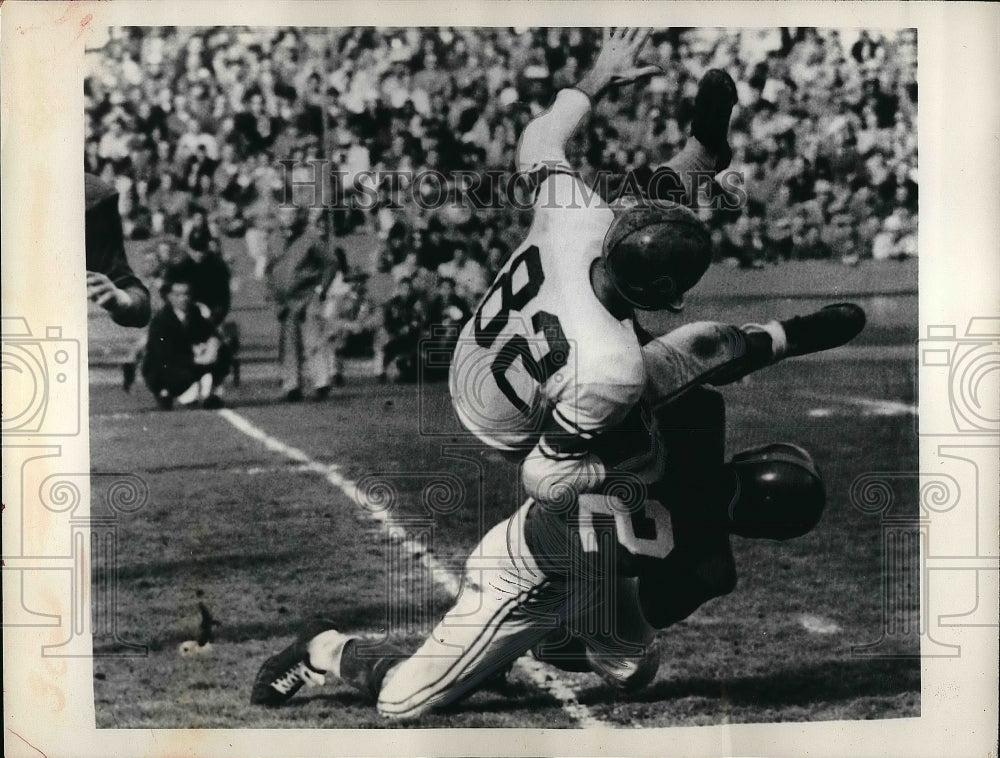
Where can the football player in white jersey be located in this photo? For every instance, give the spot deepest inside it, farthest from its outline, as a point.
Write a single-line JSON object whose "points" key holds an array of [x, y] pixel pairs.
{"points": [[551, 351], [551, 365]]}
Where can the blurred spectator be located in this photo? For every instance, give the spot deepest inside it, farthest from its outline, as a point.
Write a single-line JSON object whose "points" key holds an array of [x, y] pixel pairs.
{"points": [[211, 289], [185, 361], [158, 262], [348, 315], [865, 48], [254, 128], [420, 278], [467, 276], [299, 269], [114, 143], [404, 323], [448, 308], [811, 245], [896, 238], [317, 344], [447, 315], [259, 227]]}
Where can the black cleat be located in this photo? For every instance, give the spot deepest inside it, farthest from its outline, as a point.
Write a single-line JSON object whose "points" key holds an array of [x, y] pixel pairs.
{"points": [[213, 403], [294, 396], [829, 327], [285, 673], [713, 106]]}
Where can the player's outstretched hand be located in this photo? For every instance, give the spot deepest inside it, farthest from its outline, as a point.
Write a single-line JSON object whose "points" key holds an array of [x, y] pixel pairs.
{"points": [[617, 63]]}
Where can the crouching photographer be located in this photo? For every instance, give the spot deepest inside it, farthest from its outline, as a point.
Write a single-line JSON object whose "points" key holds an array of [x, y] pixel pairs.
{"points": [[186, 358]]}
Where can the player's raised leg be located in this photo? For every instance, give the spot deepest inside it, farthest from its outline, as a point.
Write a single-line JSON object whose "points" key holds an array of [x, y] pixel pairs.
{"points": [[707, 151], [707, 352]]}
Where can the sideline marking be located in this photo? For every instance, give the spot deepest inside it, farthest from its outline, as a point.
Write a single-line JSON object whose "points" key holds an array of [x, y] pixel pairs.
{"points": [[544, 677]]}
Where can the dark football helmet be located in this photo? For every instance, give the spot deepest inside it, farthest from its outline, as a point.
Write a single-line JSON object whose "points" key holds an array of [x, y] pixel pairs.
{"points": [[655, 252]]}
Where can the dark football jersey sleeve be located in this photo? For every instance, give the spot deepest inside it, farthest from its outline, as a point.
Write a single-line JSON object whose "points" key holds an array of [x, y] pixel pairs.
{"points": [[105, 250]]}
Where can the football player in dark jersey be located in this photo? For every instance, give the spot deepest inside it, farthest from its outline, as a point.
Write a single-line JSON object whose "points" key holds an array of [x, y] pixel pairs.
{"points": [[110, 280]]}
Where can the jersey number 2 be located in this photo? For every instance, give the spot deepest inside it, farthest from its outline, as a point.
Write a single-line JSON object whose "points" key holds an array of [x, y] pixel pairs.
{"points": [[642, 531], [517, 346]]}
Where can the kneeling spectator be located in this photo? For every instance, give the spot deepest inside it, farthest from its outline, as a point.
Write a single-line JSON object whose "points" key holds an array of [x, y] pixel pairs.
{"points": [[185, 360]]}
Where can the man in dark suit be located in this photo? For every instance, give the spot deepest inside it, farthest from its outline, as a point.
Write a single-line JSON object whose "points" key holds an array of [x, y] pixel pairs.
{"points": [[185, 359], [210, 280], [110, 280]]}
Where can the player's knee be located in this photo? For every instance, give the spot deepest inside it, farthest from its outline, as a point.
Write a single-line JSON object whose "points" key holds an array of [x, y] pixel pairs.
{"points": [[780, 494], [404, 694]]}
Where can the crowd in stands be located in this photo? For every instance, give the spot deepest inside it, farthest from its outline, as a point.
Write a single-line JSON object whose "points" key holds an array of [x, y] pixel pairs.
{"points": [[194, 123]]}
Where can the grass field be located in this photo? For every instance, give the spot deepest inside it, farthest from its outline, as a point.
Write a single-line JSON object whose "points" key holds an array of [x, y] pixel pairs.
{"points": [[247, 513]]}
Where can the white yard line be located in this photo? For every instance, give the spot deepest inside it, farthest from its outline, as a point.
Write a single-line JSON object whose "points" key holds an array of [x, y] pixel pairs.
{"points": [[544, 677]]}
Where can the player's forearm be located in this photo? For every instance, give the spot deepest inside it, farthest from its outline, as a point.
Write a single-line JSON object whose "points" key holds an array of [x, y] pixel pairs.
{"points": [[593, 85], [133, 313], [562, 465], [563, 116], [554, 479], [545, 138]]}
